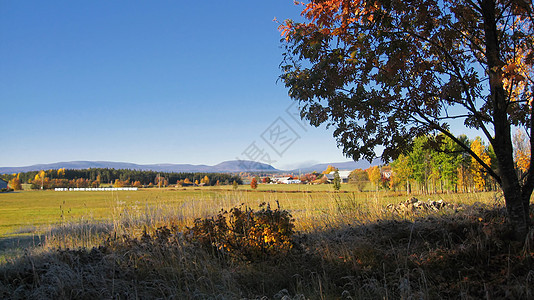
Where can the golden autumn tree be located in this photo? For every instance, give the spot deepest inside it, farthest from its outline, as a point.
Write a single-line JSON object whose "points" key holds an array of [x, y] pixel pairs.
{"points": [[374, 175], [521, 152], [15, 183], [159, 181], [382, 72], [40, 175], [401, 173], [330, 169], [463, 179], [40, 179], [118, 183], [478, 172]]}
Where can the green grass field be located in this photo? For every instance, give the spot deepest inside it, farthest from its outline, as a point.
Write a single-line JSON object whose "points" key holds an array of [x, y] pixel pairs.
{"points": [[27, 212], [346, 244]]}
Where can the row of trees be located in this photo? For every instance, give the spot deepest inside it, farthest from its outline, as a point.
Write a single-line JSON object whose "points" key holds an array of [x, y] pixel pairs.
{"points": [[437, 164], [47, 179], [361, 178], [428, 168]]}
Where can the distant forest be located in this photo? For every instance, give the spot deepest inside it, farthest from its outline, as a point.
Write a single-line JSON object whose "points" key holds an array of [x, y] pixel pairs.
{"points": [[119, 177]]}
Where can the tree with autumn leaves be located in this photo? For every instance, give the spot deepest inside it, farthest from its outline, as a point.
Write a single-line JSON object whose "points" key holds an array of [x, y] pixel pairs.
{"points": [[359, 178], [14, 183], [40, 178], [254, 183], [205, 180], [330, 169], [521, 153], [383, 72], [374, 175], [478, 173]]}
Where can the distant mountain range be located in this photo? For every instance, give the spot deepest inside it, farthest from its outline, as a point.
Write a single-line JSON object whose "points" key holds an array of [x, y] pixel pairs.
{"points": [[349, 165], [227, 166], [232, 166]]}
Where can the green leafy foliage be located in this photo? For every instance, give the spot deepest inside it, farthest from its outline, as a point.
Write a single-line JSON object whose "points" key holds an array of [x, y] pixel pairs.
{"points": [[337, 181], [436, 163]]}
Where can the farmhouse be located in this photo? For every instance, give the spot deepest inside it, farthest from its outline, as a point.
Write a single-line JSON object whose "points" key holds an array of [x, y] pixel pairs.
{"points": [[291, 181], [343, 175], [3, 184], [285, 180], [278, 180]]}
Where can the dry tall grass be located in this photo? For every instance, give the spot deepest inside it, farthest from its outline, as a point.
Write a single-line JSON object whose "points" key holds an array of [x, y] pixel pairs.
{"points": [[346, 246]]}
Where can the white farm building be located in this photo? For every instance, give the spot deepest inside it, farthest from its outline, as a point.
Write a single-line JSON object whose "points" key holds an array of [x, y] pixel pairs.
{"points": [[344, 175], [285, 180]]}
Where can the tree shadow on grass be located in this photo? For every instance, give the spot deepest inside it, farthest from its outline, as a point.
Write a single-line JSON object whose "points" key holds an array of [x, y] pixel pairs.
{"points": [[11, 243]]}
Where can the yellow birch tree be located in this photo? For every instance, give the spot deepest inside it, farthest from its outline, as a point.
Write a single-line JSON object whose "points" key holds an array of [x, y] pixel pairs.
{"points": [[374, 175], [521, 152], [478, 172]]}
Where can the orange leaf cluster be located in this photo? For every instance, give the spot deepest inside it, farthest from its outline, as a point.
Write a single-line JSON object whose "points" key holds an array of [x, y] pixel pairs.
{"points": [[477, 171], [331, 17], [521, 151], [523, 160]]}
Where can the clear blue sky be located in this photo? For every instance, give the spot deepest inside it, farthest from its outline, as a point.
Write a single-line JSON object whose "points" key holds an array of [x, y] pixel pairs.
{"points": [[149, 82]]}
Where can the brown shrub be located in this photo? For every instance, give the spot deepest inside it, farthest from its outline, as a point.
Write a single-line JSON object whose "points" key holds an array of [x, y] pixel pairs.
{"points": [[245, 233]]}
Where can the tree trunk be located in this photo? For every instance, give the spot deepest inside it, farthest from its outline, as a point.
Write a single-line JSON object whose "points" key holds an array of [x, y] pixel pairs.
{"points": [[502, 142], [518, 214]]}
